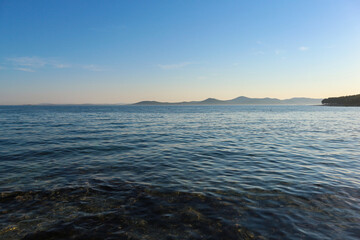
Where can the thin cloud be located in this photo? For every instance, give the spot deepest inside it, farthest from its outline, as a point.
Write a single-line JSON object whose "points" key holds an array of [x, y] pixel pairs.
{"points": [[278, 51], [303, 48], [25, 69], [259, 42], [259, 53], [174, 66], [31, 64], [61, 65], [93, 68], [35, 62]]}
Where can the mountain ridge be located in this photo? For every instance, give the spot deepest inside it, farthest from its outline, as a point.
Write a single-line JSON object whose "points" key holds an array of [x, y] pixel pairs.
{"points": [[241, 100]]}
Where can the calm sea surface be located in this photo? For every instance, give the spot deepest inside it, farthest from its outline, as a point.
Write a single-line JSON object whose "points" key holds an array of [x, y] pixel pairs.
{"points": [[179, 172]]}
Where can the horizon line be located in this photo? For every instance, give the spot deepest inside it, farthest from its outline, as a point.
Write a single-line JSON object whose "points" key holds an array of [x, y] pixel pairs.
{"points": [[130, 103]]}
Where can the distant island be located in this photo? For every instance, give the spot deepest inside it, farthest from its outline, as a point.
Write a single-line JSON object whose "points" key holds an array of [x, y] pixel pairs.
{"points": [[241, 101], [353, 100]]}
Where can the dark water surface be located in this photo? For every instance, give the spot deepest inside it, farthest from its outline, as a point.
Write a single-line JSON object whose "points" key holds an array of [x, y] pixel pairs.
{"points": [[179, 172]]}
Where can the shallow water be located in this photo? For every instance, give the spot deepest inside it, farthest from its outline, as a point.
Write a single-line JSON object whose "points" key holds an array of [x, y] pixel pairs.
{"points": [[179, 172]]}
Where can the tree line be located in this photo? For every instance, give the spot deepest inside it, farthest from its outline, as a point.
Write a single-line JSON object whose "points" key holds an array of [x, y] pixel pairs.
{"points": [[353, 100]]}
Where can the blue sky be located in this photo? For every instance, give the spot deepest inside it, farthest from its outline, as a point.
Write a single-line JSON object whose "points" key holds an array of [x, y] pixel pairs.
{"points": [[128, 51]]}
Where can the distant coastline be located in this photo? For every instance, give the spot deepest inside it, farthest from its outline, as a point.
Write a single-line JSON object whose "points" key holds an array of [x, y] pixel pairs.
{"points": [[348, 101], [240, 101]]}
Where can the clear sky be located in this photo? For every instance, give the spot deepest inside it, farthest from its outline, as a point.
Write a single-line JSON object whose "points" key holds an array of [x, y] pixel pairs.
{"points": [[128, 51]]}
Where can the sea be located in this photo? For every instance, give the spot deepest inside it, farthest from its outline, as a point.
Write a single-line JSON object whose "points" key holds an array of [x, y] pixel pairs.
{"points": [[179, 172]]}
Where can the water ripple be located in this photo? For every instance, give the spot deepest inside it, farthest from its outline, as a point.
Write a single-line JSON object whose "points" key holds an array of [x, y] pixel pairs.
{"points": [[197, 172]]}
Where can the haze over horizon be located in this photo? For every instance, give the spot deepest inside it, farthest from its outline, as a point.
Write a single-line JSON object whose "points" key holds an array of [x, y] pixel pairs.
{"points": [[70, 52]]}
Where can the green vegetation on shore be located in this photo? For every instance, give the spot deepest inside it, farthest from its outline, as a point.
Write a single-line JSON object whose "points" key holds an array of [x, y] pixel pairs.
{"points": [[353, 100]]}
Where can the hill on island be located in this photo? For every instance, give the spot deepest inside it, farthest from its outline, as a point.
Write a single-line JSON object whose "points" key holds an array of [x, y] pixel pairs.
{"points": [[241, 101], [353, 100]]}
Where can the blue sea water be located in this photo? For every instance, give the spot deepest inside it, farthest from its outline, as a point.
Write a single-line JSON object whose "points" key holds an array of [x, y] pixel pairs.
{"points": [[179, 172]]}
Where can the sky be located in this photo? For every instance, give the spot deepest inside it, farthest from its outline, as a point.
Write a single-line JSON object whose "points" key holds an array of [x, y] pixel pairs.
{"points": [[73, 51]]}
